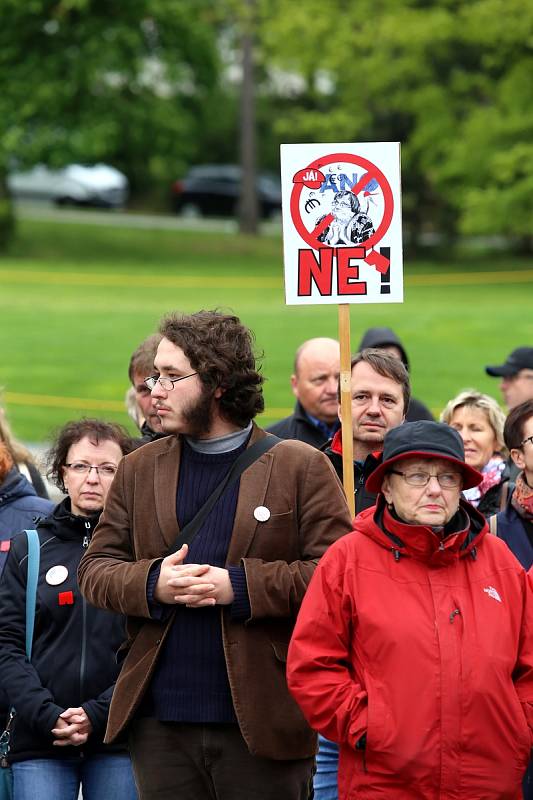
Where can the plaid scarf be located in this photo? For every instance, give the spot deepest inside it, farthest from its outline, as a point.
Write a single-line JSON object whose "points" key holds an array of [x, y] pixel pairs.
{"points": [[522, 499], [492, 474]]}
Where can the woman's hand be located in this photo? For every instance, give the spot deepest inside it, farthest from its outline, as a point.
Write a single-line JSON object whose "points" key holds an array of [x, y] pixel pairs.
{"points": [[73, 727]]}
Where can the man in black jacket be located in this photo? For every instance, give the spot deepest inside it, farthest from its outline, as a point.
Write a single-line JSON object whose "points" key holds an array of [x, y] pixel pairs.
{"points": [[380, 396], [314, 383]]}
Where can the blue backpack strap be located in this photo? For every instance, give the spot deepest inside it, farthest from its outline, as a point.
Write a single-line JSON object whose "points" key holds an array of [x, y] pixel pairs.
{"points": [[34, 555]]}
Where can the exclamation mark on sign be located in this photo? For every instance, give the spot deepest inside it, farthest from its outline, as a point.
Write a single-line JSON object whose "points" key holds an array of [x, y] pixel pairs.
{"points": [[385, 276]]}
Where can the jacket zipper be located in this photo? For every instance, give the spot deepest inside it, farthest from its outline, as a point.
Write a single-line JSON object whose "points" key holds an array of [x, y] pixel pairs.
{"points": [[85, 544], [360, 485]]}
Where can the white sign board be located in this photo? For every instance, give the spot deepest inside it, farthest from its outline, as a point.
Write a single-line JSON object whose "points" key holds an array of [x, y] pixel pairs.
{"points": [[342, 223]]}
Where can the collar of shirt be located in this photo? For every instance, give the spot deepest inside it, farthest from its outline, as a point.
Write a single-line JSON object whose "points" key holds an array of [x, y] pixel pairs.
{"points": [[327, 430]]}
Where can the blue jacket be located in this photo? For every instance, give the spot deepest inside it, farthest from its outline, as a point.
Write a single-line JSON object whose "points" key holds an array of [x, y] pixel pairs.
{"points": [[20, 508], [512, 529]]}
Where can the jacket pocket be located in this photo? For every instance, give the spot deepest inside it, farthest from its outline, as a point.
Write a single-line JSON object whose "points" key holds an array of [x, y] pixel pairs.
{"points": [[280, 651], [524, 743], [378, 726]]}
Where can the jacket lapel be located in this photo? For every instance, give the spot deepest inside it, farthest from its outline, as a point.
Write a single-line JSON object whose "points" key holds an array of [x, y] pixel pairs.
{"points": [[252, 492], [165, 490]]}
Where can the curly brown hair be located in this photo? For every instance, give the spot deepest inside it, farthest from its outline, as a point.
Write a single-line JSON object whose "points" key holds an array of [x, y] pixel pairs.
{"points": [[220, 349], [97, 430]]}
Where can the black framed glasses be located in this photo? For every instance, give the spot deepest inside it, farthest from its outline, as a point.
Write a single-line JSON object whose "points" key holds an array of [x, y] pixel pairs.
{"points": [[447, 480], [166, 383], [526, 440], [81, 468]]}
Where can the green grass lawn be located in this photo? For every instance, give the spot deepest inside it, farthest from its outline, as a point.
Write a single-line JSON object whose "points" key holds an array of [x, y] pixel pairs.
{"points": [[75, 300]]}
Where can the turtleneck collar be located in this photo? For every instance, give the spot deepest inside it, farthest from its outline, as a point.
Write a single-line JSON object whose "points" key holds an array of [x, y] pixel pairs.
{"points": [[220, 444]]}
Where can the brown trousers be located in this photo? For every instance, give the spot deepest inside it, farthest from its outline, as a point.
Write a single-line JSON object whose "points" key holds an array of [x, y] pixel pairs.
{"points": [[190, 761]]}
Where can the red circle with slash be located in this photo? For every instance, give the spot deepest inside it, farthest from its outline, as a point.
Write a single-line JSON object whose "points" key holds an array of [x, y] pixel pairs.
{"points": [[311, 237]]}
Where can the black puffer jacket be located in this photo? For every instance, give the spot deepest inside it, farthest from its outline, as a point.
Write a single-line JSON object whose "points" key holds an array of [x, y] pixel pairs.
{"points": [[74, 645]]}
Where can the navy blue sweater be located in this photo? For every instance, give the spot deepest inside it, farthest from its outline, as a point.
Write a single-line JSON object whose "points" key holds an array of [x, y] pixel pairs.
{"points": [[190, 682]]}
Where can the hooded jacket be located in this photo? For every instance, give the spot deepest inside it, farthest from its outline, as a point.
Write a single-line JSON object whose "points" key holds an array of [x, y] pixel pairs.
{"points": [[383, 337], [20, 508], [415, 653], [74, 645]]}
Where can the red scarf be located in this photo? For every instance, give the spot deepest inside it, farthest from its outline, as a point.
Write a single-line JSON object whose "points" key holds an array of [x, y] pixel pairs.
{"points": [[522, 499]]}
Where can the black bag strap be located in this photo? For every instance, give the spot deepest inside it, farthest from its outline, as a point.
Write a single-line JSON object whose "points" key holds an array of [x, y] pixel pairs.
{"points": [[245, 460]]}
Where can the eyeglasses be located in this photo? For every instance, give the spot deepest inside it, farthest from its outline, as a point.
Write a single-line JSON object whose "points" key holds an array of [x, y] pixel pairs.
{"points": [[526, 440], [166, 383], [447, 480], [81, 468]]}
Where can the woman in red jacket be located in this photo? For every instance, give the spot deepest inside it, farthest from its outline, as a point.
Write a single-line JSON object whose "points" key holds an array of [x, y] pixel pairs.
{"points": [[414, 645]]}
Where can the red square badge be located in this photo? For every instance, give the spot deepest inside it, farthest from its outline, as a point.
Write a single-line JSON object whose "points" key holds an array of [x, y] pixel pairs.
{"points": [[5, 545], [66, 598]]}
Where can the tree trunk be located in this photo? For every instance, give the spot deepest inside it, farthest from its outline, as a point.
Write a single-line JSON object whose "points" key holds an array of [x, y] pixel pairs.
{"points": [[7, 216], [248, 203]]}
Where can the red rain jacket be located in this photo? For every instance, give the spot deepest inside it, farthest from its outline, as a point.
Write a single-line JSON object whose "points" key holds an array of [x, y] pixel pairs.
{"points": [[426, 647]]}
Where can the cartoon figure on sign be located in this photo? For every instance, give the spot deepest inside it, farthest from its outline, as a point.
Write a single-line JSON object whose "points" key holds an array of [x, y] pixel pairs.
{"points": [[343, 200], [349, 225]]}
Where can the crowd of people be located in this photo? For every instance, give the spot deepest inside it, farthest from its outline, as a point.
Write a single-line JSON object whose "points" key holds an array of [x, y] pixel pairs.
{"points": [[205, 605]]}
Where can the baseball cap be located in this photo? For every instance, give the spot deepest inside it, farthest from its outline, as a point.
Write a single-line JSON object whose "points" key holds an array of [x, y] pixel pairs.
{"points": [[521, 358], [423, 438]]}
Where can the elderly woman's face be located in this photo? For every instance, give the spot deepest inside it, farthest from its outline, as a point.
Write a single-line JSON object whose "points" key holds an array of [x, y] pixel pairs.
{"points": [[432, 504], [477, 434]]}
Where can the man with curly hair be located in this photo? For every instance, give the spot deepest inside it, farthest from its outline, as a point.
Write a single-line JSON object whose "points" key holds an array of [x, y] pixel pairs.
{"points": [[202, 693]]}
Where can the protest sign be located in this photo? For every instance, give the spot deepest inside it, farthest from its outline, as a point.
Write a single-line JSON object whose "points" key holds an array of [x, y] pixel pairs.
{"points": [[342, 240], [342, 228]]}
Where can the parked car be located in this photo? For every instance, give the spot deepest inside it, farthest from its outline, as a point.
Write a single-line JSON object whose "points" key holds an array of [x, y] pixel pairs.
{"points": [[76, 184], [213, 190]]}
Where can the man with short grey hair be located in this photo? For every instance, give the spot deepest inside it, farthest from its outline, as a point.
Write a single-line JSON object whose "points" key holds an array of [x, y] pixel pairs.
{"points": [[314, 383]]}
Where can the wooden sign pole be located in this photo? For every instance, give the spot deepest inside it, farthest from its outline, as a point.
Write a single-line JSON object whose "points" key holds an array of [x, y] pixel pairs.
{"points": [[345, 380]]}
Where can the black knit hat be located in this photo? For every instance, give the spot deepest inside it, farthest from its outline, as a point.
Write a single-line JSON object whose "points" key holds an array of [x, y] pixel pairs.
{"points": [[423, 438], [521, 358]]}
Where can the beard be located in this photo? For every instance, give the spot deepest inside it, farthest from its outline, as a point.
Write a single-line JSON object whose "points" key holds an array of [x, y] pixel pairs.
{"points": [[198, 416]]}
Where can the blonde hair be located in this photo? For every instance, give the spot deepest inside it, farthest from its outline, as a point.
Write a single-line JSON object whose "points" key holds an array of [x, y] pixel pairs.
{"points": [[474, 399]]}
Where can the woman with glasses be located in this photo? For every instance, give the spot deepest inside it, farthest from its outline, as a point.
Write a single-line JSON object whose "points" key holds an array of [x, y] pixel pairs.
{"points": [[62, 697], [414, 644], [479, 420]]}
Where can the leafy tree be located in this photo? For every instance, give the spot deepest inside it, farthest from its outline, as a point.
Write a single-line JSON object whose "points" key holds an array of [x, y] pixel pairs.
{"points": [[87, 80], [450, 80]]}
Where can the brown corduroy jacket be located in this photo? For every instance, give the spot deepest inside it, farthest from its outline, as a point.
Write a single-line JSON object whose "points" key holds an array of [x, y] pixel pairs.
{"points": [[308, 512]]}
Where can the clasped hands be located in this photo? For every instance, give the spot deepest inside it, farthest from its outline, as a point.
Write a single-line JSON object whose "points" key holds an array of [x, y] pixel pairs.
{"points": [[73, 727], [192, 585]]}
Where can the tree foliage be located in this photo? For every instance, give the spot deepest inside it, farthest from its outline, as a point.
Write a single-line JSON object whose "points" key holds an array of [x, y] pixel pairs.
{"points": [[86, 80], [450, 80], [144, 85]]}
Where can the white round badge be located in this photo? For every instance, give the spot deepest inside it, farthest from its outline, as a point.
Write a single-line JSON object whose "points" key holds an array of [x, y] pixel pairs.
{"points": [[261, 513], [56, 575]]}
